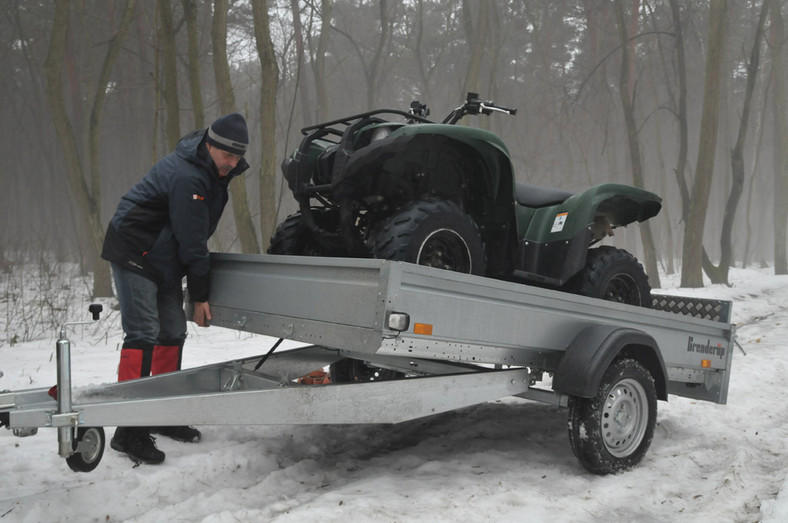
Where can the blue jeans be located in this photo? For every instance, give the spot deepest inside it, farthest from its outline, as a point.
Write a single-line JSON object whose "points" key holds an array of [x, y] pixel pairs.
{"points": [[149, 315]]}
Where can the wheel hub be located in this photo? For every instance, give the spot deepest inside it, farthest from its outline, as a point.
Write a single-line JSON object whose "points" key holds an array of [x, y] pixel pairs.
{"points": [[445, 249], [624, 418]]}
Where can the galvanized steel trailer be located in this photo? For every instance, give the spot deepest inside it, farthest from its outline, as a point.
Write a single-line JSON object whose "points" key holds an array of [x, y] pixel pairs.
{"points": [[451, 340]]}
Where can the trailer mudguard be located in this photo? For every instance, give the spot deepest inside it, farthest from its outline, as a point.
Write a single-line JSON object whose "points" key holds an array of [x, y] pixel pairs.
{"points": [[591, 352]]}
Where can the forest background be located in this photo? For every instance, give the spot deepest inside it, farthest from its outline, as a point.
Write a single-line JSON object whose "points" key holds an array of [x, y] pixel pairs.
{"points": [[684, 98]]}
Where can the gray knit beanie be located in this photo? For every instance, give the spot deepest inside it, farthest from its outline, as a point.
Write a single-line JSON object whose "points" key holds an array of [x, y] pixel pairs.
{"points": [[229, 133]]}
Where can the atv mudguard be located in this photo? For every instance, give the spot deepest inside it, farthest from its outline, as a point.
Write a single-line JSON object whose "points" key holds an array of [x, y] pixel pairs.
{"points": [[554, 239], [620, 204]]}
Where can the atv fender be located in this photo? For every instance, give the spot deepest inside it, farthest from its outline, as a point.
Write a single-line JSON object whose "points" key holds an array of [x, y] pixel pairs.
{"points": [[619, 204], [554, 239], [594, 349]]}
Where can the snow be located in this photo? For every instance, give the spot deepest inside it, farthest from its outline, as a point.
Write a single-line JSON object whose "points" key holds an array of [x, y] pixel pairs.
{"points": [[503, 460]]}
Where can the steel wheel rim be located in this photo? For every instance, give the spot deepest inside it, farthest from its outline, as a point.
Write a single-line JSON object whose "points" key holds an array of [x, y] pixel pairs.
{"points": [[445, 249], [90, 445], [624, 418]]}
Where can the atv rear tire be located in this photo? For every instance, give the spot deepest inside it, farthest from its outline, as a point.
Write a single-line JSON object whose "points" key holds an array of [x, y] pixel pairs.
{"points": [[431, 232], [292, 236], [614, 275]]}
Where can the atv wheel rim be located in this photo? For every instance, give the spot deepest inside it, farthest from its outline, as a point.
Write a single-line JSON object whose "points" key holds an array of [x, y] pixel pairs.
{"points": [[445, 249], [622, 289], [624, 418]]}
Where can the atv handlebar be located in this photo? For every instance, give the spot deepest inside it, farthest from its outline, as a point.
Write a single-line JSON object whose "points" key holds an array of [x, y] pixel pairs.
{"points": [[473, 105], [489, 107]]}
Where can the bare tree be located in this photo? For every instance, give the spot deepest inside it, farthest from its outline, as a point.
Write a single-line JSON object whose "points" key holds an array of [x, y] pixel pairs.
{"points": [[321, 84], [170, 73], [627, 35], [681, 114], [195, 85], [374, 72], [268, 164], [719, 273], [298, 37], [477, 38], [691, 270], [243, 218], [779, 95], [88, 197]]}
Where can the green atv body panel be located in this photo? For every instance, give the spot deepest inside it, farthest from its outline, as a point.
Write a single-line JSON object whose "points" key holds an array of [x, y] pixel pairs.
{"points": [[622, 204], [553, 240]]}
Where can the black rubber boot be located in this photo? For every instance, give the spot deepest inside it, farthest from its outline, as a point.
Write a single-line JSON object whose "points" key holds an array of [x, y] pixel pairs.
{"points": [[138, 445], [183, 433]]}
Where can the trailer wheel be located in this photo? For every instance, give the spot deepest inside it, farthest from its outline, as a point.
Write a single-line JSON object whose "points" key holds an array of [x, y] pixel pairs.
{"points": [[431, 232], [611, 432], [348, 370], [292, 237], [612, 274], [88, 449]]}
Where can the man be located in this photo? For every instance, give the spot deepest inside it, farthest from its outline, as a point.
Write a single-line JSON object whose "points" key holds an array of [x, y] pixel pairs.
{"points": [[158, 235]]}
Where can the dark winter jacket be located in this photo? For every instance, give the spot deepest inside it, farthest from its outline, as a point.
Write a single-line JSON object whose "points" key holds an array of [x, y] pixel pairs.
{"points": [[162, 225]]}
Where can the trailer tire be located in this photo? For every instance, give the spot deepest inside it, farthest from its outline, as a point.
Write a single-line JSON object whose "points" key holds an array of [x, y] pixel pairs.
{"points": [[348, 370], [612, 274], [612, 431], [88, 449], [292, 236], [432, 232]]}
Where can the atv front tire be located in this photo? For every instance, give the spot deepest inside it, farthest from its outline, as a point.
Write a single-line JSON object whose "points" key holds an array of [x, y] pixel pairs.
{"points": [[612, 274], [293, 237], [431, 232]]}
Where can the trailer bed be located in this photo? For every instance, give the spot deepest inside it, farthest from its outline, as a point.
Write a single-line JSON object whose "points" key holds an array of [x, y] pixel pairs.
{"points": [[345, 304], [455, 339]]}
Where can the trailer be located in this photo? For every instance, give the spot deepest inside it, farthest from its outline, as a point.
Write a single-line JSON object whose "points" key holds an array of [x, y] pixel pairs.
{"points": [[405, 341]]}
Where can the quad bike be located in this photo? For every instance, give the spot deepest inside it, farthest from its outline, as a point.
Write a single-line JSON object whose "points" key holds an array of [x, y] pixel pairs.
{"points": [[445, 195]]}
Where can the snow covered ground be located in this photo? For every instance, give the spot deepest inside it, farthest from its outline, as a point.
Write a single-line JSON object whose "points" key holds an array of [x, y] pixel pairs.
{"points": [[507, 460]]}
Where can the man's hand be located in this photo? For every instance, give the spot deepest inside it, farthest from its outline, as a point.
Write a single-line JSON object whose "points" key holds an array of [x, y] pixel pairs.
{"points": [[202, 313]]}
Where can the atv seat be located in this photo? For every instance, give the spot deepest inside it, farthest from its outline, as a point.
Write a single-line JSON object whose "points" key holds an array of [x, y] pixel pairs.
{"points": [[536, 196]]}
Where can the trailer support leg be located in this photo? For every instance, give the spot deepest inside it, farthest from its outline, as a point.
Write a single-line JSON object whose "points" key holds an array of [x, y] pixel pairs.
{"points": [[65, 434]]}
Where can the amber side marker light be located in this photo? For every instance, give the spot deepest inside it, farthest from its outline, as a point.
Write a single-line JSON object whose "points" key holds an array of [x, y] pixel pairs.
{"points": [[706, 364], [422, 328]]}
